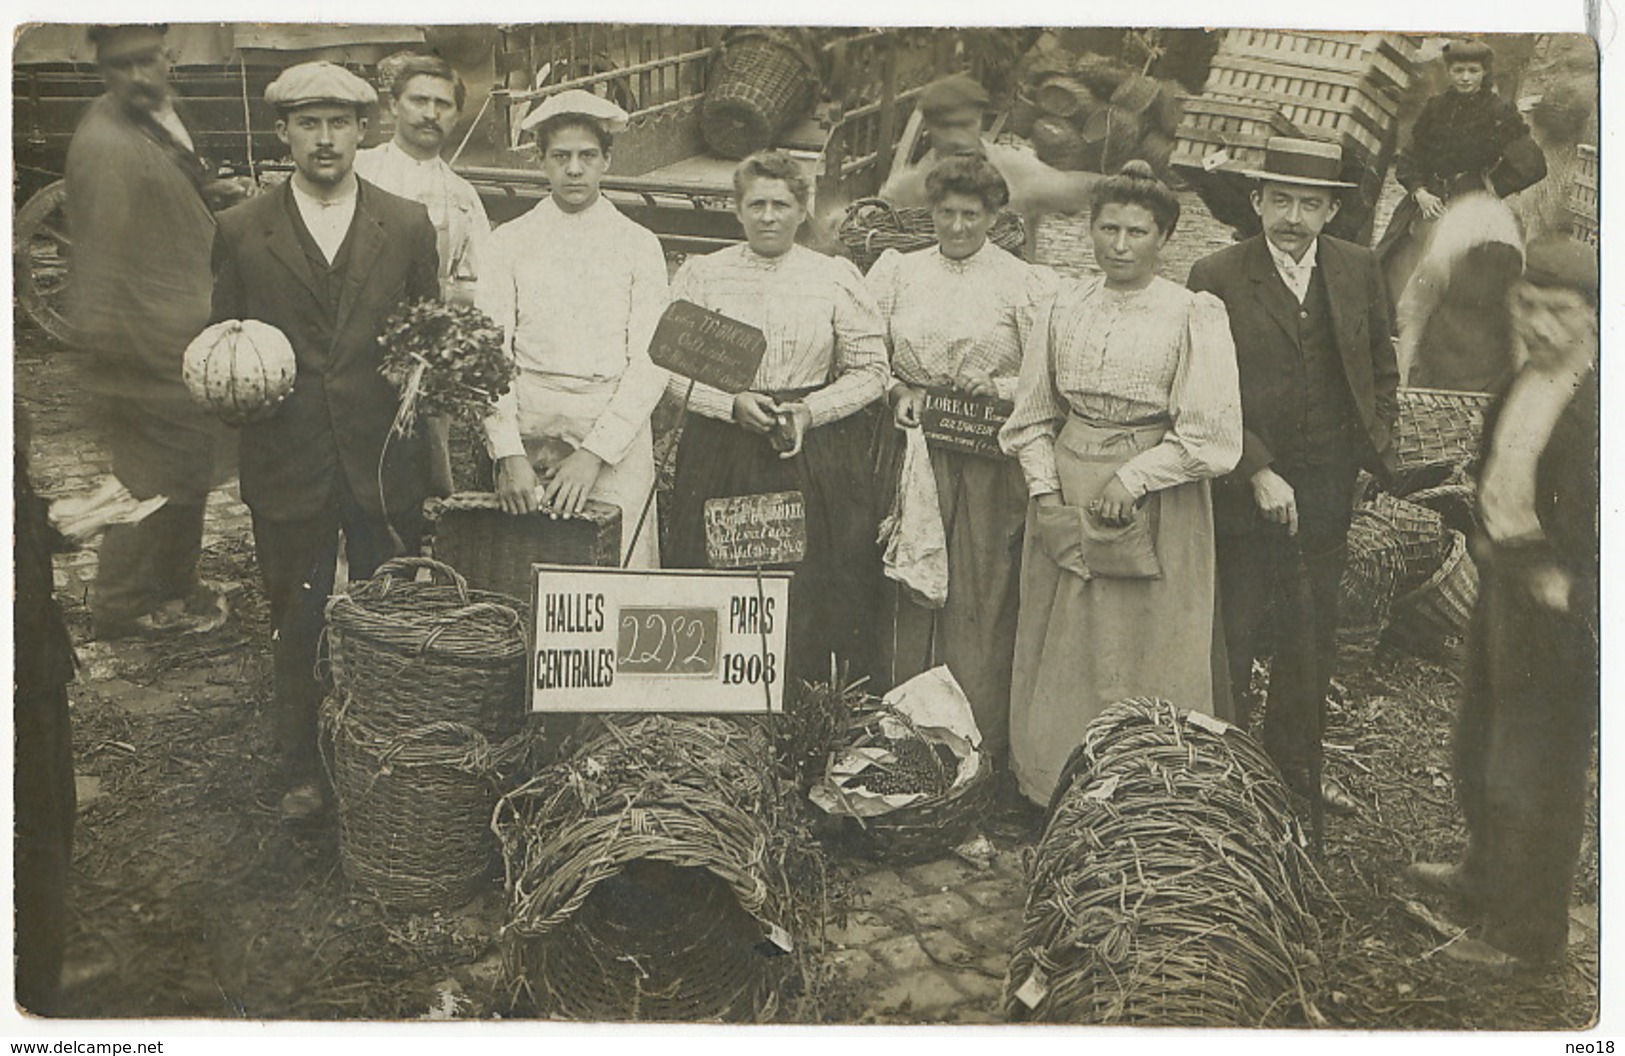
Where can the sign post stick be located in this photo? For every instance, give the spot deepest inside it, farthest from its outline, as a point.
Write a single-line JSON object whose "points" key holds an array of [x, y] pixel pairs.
{"points": [[665, 464]]}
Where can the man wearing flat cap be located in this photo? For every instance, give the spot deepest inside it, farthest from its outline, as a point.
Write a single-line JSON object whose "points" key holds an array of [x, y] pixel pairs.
{"points": [[1529, 703], [1319, 382], [326, 259], [578, 288], [951, 112], [140, 220]]}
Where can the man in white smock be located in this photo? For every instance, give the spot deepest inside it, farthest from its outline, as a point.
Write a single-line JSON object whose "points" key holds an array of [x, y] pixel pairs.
{"points": [[579, 289]]}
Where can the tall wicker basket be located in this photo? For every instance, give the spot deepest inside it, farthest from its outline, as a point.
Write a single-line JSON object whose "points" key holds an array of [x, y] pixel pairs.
{"points": [[408, 653], [762, 83], [413, 808], [1170, 886], [658, 873]]}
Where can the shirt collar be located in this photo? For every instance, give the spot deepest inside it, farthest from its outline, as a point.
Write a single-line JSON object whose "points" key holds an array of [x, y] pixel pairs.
{"points": [[1284, 261], [312, 202]]}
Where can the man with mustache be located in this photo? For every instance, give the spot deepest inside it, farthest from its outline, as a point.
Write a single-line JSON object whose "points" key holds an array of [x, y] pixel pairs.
{"points": [[139, 216], [426, 99], [327, 258], [1319, 382]]}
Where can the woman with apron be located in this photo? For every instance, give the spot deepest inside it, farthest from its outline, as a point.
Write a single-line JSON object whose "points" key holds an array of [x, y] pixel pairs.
{"points": [[1127, 404], [799, 426]]}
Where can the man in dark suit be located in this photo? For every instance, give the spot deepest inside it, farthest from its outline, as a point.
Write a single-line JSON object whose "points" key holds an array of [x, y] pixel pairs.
{"points": [[326, 258], [1310, 317]]}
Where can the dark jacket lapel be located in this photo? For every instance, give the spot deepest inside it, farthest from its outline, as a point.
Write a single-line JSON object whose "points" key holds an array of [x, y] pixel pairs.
{"points": [[283, 241], [1270, 289], [1347, 298], [368, 232]]}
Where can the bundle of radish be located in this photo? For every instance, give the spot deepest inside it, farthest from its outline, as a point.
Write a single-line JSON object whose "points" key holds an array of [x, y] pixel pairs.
{"points": [[1094, 113]]}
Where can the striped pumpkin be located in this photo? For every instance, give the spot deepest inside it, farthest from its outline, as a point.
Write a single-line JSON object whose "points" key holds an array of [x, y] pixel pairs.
{"points": [[239, 369]]}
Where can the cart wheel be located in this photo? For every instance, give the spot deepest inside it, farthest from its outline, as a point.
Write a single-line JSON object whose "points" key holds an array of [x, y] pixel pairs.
{"points": [[39, 259]]}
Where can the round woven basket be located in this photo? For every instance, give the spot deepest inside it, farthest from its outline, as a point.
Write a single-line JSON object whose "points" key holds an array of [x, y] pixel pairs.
{"points": [[657, 873], [931, 827], [1370, 582], [407, 653], [1066, 97], [1418, 531], [413, 808], [1432, 620], [1056, 142], [873, 225], [1438, 426], [759, 88], [1170, 886]]}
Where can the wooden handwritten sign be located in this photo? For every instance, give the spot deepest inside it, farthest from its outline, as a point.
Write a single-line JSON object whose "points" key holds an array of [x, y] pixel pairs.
{"points": [[964, 423], [630, 640], [752, 531], [708, 347]]}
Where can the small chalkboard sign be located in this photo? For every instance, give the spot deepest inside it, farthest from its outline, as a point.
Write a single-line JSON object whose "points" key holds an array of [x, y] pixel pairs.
{"points": [[964, 423], [708, 347], [752, 531]]}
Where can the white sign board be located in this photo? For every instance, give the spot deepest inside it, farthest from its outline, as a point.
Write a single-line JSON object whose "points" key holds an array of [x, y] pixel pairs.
{"points": [[631, 640]]}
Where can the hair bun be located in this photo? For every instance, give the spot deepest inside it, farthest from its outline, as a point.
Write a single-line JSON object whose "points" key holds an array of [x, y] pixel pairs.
{"points": [[1138, 168]]}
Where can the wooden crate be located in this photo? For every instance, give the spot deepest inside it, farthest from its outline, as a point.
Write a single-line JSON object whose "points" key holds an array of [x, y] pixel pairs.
{"points": [[494, 550], [1313, 100], [1386, 60], [1237, 127]]}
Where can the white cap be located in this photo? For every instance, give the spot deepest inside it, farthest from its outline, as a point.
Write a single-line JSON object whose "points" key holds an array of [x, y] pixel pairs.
{"points": [[576, 101]]}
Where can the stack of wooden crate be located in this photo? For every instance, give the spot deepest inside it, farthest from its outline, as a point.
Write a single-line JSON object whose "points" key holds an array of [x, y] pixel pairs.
{"points": [[1340, 87], [1583, 195]]}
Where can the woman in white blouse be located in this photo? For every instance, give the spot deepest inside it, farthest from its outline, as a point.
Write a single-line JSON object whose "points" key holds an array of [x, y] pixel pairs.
{"points": [[798, 427], [1127, 405], [956, 316]]}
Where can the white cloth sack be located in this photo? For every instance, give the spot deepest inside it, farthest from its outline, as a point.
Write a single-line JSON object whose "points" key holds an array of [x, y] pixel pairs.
{"points": [[916, 545]]}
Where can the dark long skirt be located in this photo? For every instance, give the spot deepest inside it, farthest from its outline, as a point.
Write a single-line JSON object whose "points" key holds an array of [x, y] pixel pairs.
{"points": [[835, 592], [984, 514]]}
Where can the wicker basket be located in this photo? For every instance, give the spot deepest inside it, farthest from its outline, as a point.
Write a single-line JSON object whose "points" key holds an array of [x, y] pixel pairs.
{"points": [[873, 225], [494, 550], [413, 808], [1066, 97], [1371, 577], [407, 653], [930, 828], [655, 874], [1170, 886], [1432, 620], [1419, 532], [760, 86], [1438, 426]]}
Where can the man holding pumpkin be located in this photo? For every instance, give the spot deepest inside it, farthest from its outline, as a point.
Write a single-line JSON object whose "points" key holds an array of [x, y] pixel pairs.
{"points": [[327, 259]]}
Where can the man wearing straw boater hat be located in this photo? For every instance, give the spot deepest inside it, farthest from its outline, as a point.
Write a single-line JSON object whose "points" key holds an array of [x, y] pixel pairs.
{"points": [[1310, 318], [326, 259]]}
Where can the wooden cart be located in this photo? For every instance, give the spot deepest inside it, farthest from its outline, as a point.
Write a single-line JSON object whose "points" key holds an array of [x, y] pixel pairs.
{"points": [[662, 174]]}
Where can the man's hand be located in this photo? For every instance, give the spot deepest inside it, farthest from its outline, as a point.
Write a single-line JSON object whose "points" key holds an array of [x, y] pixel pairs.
{"points": [[1551, 587], [1113, 505], [516, 485], [1276, 500], [753, 411], [567, 492], [800, 422], [1431, 204], [907, 402]]}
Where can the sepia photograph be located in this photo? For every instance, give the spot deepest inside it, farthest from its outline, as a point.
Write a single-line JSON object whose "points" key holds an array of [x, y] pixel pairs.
{"points": [[806, 524]]}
